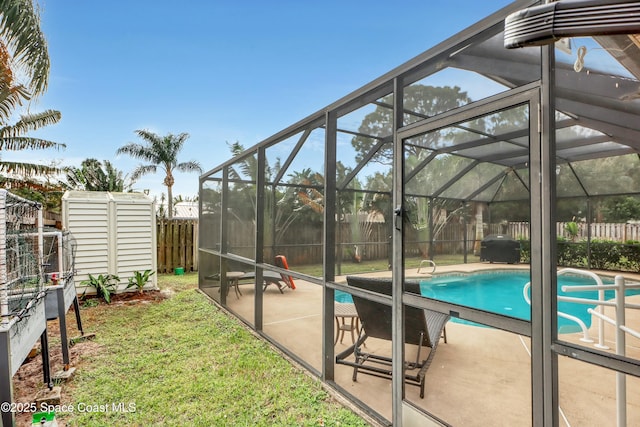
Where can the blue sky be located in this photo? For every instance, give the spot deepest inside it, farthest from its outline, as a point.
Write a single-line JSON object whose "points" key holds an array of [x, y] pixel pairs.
{"points": [[222, 71]]}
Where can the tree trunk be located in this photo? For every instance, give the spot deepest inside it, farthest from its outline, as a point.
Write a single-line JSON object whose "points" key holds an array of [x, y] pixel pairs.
{"points": [[169, 202], [479, 229]]}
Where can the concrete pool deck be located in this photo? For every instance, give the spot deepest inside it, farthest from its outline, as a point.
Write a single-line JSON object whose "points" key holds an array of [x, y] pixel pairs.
{"points": [[481, 376]]}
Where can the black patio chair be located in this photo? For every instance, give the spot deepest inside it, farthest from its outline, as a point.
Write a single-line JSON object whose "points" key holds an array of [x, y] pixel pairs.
{"points": [[268, 278], [423, 328]]}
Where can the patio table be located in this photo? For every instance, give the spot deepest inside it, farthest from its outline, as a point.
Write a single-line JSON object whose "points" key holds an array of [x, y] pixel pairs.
{"points": [[232, 277], [344, 312]]}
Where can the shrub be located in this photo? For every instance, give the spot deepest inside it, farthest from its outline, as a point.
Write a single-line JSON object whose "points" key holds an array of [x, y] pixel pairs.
{"points": [[572, 254], [605, 254], [139, 280], [104, 284], [525, 250]]}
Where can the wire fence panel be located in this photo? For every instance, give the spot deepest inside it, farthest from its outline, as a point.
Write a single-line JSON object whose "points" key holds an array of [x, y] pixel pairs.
{"points": [[21, 249]]}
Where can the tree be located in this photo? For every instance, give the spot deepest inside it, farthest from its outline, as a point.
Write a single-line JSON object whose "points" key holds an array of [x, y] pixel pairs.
{"points": [[94, 175], [21, 35], [425, 101], [13, 138], [622, 209], [23, 51], [160, 151]]}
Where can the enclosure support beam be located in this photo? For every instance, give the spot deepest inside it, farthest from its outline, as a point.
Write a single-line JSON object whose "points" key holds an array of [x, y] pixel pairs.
{"points": [[330, 244], [6, 382], [259, 252], [397, 258], [224, 236], [543, 250]]}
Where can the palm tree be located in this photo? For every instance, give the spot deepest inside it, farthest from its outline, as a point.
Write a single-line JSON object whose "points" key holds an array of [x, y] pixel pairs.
{"points": [[13, 138], [94, 175], [160, 151], [21, 35], [23, 48]]}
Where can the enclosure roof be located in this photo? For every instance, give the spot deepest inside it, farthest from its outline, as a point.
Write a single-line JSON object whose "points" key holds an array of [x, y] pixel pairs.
{"points": [[601, 122]]}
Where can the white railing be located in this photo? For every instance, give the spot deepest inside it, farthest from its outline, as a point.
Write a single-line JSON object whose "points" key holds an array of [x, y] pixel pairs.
{"points": [[620, 304]]}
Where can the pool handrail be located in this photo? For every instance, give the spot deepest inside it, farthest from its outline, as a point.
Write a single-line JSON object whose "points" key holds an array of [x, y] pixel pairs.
{"points": [[619, 287], [585, 331], [599, 288], [583, 327], [620, 305], [430, 261]]}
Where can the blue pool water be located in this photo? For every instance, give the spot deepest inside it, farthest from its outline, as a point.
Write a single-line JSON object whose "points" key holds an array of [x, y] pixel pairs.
{"points": [[501, 292]]}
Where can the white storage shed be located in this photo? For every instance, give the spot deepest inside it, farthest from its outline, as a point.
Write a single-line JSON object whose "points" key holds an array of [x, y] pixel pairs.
{"points": [[115, 233]]}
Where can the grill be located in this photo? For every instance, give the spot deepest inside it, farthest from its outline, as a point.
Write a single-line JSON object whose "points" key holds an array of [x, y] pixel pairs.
{"points": [[500, 248]]}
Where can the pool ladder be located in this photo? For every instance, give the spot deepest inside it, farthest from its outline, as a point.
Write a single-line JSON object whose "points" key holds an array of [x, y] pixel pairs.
{"points": [[427, 261]]}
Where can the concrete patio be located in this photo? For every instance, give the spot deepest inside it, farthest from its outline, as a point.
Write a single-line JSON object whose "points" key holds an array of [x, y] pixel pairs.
{"points": [[481, 376]]}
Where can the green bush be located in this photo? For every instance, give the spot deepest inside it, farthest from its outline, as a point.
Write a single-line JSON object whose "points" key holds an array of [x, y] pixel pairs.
{"points": [[104, 284], [525, 250], [139, 280], [605, 254], [572, 254], [630, 255]]}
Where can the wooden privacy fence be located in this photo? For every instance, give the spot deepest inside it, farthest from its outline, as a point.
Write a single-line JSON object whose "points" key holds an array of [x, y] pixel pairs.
{"points": [[178, 240], [177, 244], [617, 232]]}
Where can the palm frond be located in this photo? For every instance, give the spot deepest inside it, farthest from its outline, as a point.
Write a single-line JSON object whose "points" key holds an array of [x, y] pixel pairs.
{"points": [[20, 28], [190, 166], [11, 97], [137, 151], [142, 170], [30, 122], [27, 142], [150, 137], [22, 183], [28, 169]]}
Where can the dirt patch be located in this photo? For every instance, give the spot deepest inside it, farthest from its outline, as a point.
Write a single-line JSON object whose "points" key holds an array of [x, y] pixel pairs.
{"points": [[29, 379]]}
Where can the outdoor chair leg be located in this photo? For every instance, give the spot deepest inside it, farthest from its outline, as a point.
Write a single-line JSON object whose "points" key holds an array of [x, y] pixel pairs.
{"points": [[76, 309], [46, 363]]}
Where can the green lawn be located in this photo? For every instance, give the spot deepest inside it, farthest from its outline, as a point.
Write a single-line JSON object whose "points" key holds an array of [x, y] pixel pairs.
{"points": [[182, 362], [349, 267]]}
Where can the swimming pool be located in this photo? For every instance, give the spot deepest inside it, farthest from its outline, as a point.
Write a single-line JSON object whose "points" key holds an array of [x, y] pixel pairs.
{"points": [[501, 292]]}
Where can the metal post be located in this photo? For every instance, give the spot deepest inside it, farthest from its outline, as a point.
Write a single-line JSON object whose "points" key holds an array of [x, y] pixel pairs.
{"points": [[224, 243], [544, 321], [397, 256], [621, 378], [76, 309], [41, 246], [62, 319], [6, 382], [329, 263], [260, 225], [46, 366]]}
